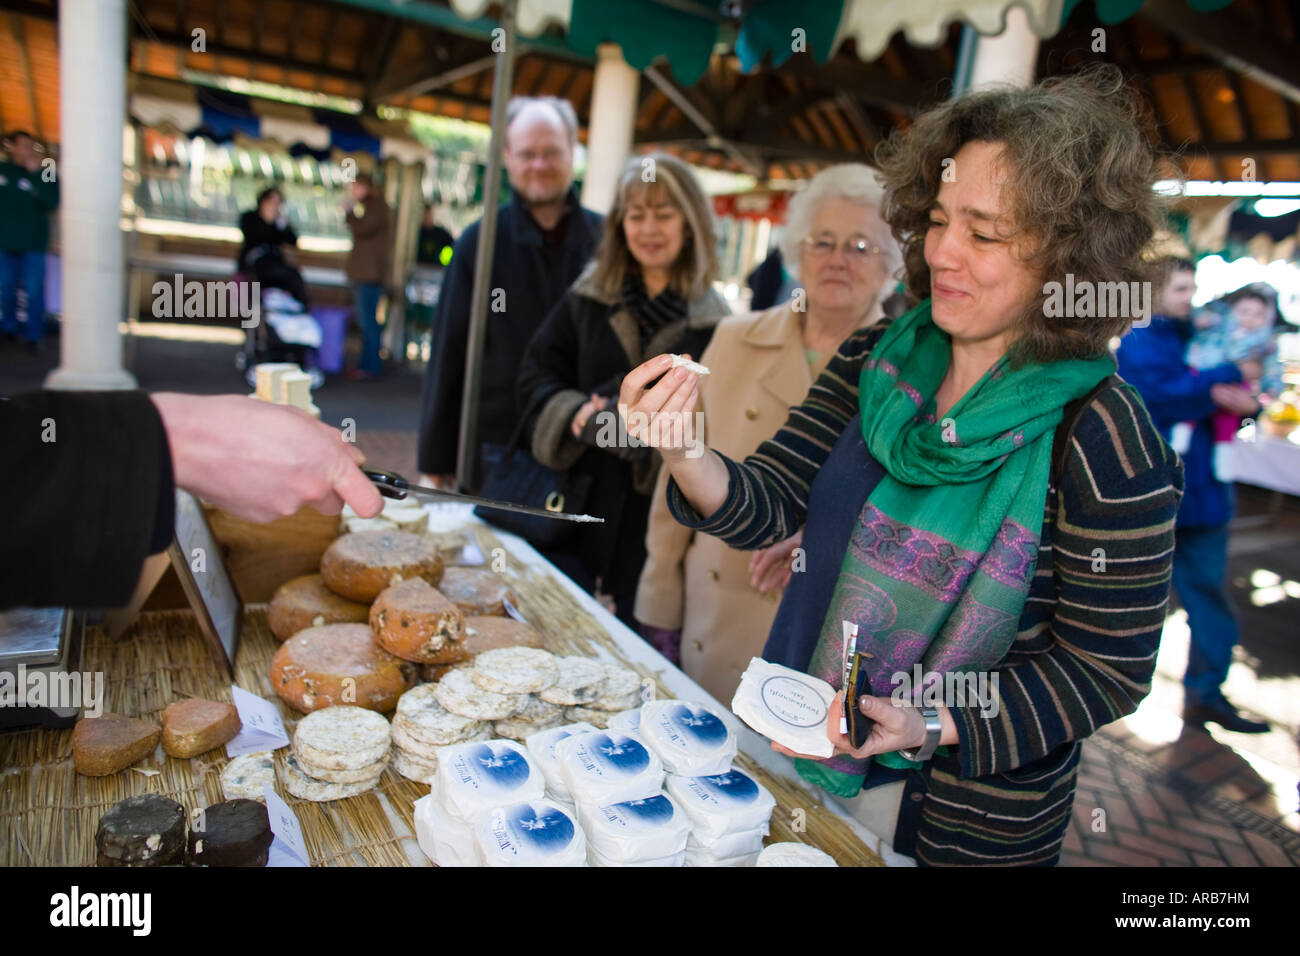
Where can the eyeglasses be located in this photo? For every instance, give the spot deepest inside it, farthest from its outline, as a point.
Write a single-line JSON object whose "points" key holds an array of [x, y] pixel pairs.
{"points": [[858, 250]]}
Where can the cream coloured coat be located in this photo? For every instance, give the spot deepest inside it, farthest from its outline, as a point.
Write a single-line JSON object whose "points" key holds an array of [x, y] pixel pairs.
{"points": [[694, 582]]}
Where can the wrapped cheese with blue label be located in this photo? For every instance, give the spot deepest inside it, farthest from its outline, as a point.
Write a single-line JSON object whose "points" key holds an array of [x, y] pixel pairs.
{"points": [[691, 739], [724, 803], [608, 767], [478, 776], [541, 747], [536, 833], [635, 831], [625, 720], [444, 839]]}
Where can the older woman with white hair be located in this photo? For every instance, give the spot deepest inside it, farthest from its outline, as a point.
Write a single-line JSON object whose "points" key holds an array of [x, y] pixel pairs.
{"points": [[704, 604]]}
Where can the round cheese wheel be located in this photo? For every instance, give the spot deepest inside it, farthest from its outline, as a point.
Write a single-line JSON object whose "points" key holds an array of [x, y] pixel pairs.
{"points": [[413, 620], [306, 602], [358, 566], [339, 664], [476, 592], [486, 634]]}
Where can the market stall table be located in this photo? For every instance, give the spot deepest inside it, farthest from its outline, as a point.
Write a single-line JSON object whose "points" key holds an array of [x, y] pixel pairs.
{"points": [[49, 813]]}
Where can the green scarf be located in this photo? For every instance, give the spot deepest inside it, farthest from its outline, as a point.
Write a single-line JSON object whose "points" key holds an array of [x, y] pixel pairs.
{"points": [[939, 564]]}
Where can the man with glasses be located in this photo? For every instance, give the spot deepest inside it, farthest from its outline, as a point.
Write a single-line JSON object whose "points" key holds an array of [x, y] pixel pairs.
{"points": [[543, 240]]}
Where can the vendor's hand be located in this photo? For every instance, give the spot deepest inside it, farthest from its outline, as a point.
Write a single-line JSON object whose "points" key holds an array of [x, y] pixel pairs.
{"points": [[262, 461], [1234, 399], [592, 405], [895, 728], [770, 567], [663, 416]]}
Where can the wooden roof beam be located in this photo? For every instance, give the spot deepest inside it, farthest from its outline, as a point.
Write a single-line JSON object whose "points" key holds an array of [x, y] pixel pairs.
{"points": [[1234, 41]]}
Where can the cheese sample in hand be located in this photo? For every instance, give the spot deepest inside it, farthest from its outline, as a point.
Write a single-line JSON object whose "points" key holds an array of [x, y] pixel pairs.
{"points": [[785, 705], [269, 378], [680, 361]]}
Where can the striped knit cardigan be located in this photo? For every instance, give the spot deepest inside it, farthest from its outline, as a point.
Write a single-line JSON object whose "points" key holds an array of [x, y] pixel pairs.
{"points": [[1087, 640]]}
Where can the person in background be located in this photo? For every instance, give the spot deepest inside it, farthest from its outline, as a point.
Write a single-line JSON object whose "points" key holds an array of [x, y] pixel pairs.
{"points": [[367, 267], [769, 282], [1235, 328], [696, 592], [434, 245], [1152, 360], [543, 241], [27, 198], [266, 232], [648, 290], [83, 532]]}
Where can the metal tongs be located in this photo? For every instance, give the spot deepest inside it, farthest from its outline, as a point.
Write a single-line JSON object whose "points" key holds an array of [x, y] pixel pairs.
{"points": [[393, 485]]}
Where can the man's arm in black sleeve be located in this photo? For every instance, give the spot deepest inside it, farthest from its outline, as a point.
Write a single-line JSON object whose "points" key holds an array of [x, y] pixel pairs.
{"points": [[88, 480]]}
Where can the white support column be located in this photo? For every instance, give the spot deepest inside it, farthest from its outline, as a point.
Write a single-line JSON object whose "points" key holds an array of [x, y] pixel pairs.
{"points": [[1009, 57], [609, 132], [92, 104]]}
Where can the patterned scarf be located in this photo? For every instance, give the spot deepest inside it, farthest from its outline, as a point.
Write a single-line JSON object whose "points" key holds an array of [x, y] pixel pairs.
{"points": [[939, 565], [651, 314]]}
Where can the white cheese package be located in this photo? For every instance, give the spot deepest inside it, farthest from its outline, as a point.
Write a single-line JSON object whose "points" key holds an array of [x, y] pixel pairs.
{"points": [[608, 767], [625, 720], [478, 776], [444, 839], [596, 858], [691, 739], [745, 843], [785, 705], [636, 830], [794, 854], [541, 747], [537, 833], [724, 803], [698, 857]]}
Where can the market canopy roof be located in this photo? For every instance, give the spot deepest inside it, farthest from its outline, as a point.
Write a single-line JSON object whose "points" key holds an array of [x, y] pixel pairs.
{"points": [[1223, 85]]}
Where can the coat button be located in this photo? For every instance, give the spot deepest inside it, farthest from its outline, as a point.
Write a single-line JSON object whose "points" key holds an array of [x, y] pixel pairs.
{"points": [[699, 647], [751, 413], [918, 797], [713, 575]]}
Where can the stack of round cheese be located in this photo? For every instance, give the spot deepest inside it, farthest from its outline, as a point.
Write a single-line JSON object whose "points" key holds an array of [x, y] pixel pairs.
{"points": [[541, 747], [648, 832], [604, 767], [535, 833], [422, 727], [620, 690], [472, 778], [338, 752], [730, 813], [692, 740]]}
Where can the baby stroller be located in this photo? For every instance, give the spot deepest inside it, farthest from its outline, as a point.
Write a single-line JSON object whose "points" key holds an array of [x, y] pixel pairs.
{"points": [[284, 332]]}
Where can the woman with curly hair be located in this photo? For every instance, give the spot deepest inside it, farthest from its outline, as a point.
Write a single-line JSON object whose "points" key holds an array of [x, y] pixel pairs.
{"points": [[985, 504]]}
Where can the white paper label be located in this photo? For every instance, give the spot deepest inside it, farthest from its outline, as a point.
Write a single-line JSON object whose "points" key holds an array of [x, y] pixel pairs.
{"points": [[793, 702], [289, 848], [262, 729]]}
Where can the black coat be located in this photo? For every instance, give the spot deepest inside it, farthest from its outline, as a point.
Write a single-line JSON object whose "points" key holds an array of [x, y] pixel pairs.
{"points": [[88, 478], [586, 346], [532, 276]]}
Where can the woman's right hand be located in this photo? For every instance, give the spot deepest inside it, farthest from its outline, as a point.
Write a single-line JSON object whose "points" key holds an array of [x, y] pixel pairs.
{"points": [[662, 416]]}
